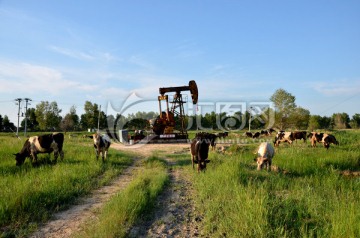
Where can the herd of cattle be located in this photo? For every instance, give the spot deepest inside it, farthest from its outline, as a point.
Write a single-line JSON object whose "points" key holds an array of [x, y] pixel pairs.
{"points": [[54, 143], [199, 147], [315, 137]]}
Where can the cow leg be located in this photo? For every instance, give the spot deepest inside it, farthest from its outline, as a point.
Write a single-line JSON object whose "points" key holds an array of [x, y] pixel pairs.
{"points": [[268, 165], [61, 155], [106, 154], [192, 161], [33, 158], [103, 153], [55, 148], [97, 152]]}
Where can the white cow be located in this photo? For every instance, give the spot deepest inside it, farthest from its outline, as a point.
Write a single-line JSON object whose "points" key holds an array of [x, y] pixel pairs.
{"points": [[265, 154]]}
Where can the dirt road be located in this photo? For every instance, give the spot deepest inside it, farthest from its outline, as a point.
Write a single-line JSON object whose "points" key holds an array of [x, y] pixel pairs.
{"points": [[174, 215]]}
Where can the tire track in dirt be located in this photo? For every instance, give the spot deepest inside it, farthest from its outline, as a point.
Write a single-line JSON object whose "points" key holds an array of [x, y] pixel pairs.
{"points": [[174, 213], [71, 221]]}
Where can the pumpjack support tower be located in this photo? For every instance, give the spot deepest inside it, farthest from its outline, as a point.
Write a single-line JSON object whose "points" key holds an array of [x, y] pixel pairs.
{"points": [[164, 125]]}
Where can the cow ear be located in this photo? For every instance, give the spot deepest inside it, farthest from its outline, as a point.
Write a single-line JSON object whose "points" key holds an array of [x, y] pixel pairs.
{"points": [[207, 161]]}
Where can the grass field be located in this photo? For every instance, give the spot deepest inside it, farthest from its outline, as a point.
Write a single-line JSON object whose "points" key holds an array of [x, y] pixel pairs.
{"points": [[29, 195], [309, 198], [309, 195]]}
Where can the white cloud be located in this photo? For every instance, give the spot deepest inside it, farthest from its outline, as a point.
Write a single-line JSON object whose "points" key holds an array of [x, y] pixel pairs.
{"points": [[25, 77], [341, 87], [85, 56]]}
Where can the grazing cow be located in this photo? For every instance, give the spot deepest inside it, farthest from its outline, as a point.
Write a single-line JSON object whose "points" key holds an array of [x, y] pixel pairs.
{"points": [[270, 130], [265, 154], [299, 135], [222, 134], [283, 136], [265, 132], [41, 144], [315, 137], [248, 134], [200, 149], [101, 145], [328, 139], [256, 135]]}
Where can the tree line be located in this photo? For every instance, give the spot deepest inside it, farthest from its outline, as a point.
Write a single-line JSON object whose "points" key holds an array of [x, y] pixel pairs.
{"points": [[285, 115]]}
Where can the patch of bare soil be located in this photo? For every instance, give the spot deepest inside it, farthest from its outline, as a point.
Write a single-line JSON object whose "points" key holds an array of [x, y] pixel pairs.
{"points": [[67, 222], [349, 173], [151, 149]]}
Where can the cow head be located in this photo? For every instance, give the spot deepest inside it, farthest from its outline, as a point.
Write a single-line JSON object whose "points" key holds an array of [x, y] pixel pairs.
{"points": [[96, 137], [261, 162], [202, 164], [20, 158]]}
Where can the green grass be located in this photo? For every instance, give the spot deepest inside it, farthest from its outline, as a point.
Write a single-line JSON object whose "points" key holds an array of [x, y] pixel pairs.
{"points": [[310, 199], [128, 206], [30, 195]]}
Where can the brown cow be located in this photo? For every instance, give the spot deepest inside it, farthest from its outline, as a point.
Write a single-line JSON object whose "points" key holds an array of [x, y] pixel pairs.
{"points": [[315, 137], [200, 150], [299, 135], [256, 135], [248, 134]]}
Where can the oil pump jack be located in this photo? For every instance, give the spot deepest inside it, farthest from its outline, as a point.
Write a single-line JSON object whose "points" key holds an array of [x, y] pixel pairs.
{"points": [[164, 125]]}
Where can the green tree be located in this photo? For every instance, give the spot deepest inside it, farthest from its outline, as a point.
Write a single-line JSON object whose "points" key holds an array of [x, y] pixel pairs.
{"points": [[7, 125], [32, 124], [48, 115], [70, 121], [1, 123], [340, 120], [90, 118], [314, 122], [355, 121], [285, 106], [300, 118]]}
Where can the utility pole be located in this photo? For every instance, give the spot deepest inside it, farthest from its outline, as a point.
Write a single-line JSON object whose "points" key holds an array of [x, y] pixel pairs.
{"points": [[18, 103], [98, 129], [26, 104], [250, 117]]}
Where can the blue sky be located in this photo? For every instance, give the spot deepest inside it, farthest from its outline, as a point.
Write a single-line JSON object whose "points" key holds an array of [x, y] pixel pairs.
{"points": [[236, 51]]}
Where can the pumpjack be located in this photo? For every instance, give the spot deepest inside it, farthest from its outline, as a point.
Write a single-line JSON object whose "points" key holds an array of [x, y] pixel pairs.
{"points": [[164, 125]]}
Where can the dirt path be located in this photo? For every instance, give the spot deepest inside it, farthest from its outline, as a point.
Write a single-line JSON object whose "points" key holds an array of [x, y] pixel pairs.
{"points": [[174, 216], [67, 222]]}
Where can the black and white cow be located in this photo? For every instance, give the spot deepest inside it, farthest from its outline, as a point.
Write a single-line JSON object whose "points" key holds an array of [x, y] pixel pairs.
{"points": [[41, 144], [283, 136], [200, 150], [101, 145]]}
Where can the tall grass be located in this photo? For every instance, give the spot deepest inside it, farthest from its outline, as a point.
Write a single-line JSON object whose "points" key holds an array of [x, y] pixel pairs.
{"points": [[131, 204], [30, 195], [310, 198]]}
